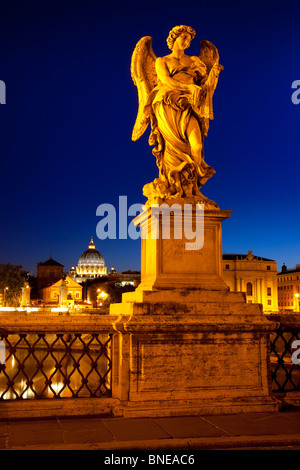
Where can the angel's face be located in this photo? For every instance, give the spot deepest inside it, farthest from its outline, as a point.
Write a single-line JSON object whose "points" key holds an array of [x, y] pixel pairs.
{"points": [[183, 41]]}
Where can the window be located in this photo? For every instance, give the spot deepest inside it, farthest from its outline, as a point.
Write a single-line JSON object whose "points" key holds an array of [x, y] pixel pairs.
{"points": [[268, 268], [249, 288], [227, 266], [269, 291], [269, 302]]}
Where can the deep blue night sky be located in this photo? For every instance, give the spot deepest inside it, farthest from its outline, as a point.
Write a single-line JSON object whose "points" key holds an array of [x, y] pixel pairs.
{"points": [[71, 104]]}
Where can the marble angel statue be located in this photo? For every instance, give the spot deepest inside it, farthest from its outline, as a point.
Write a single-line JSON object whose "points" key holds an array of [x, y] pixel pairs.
{"points": [[175, 96]]}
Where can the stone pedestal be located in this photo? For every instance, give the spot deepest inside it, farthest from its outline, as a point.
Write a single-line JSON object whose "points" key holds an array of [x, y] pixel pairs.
{"points": [[173, 263], [185, 344]]}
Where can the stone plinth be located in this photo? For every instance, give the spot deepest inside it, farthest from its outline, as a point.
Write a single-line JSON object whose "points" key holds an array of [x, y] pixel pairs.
{"points": [[169, 263], [186, 345], [202, 352]]}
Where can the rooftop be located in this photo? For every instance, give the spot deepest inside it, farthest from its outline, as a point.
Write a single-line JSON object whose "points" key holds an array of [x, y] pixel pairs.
{"points": [[239, 256], [50, 262]]}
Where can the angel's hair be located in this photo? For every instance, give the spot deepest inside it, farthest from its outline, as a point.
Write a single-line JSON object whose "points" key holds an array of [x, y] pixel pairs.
{"points": [[176, 31]]}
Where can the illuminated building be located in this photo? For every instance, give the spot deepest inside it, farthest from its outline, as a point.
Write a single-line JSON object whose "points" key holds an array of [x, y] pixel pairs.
{"points": [[73, 291], [289, 288], [255, 276], [91, 265], [129, 277]]}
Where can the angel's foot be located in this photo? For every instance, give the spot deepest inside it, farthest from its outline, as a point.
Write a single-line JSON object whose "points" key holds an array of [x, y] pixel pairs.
{"points": [[208, 203]]}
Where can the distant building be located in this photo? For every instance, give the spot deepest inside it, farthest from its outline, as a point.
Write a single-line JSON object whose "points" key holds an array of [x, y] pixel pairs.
{"points": [[51, 294], [254, 275], [112, 271], [48, 272], [289, 288], [129, 277], [91, 265]]}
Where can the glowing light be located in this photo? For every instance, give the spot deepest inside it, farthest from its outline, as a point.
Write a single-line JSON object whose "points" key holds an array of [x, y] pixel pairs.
{"points": [[56, 387], [19, 309]]}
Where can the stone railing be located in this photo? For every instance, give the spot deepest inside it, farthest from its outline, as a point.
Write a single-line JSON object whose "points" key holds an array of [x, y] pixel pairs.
{"points": [[55, 360], [284, 358], [82, 364]]}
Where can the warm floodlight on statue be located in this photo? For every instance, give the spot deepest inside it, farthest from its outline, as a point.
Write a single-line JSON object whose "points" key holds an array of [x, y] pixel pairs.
{"points": [[175, 97]]}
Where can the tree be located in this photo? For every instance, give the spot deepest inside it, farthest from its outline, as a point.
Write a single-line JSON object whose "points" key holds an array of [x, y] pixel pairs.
{"points": [[12, 277], [115, 292]]}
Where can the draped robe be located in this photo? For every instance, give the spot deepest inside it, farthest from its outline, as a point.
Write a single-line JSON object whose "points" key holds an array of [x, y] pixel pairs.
{"points": [[170, 112]]}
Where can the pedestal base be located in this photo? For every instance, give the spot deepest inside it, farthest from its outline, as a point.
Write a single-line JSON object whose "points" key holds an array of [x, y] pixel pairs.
{"points": [[204, 406], [185, 344], [195, 352]]}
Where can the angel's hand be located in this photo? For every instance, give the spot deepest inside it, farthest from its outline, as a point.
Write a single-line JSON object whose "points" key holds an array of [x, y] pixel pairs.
{"points": [[196, 93], [217, 68]]}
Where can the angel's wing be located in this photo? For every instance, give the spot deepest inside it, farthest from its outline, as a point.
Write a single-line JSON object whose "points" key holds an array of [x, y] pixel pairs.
{"points": [[210, 56], [144, 77]]}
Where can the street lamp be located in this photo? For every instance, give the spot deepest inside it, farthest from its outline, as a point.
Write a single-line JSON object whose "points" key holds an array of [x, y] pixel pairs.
{"points": [[98, 293], [101, 294], [4, 292]]}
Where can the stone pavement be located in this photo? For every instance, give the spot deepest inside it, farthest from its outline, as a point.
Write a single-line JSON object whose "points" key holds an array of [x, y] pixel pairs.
{"points": [[241, 431]]}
